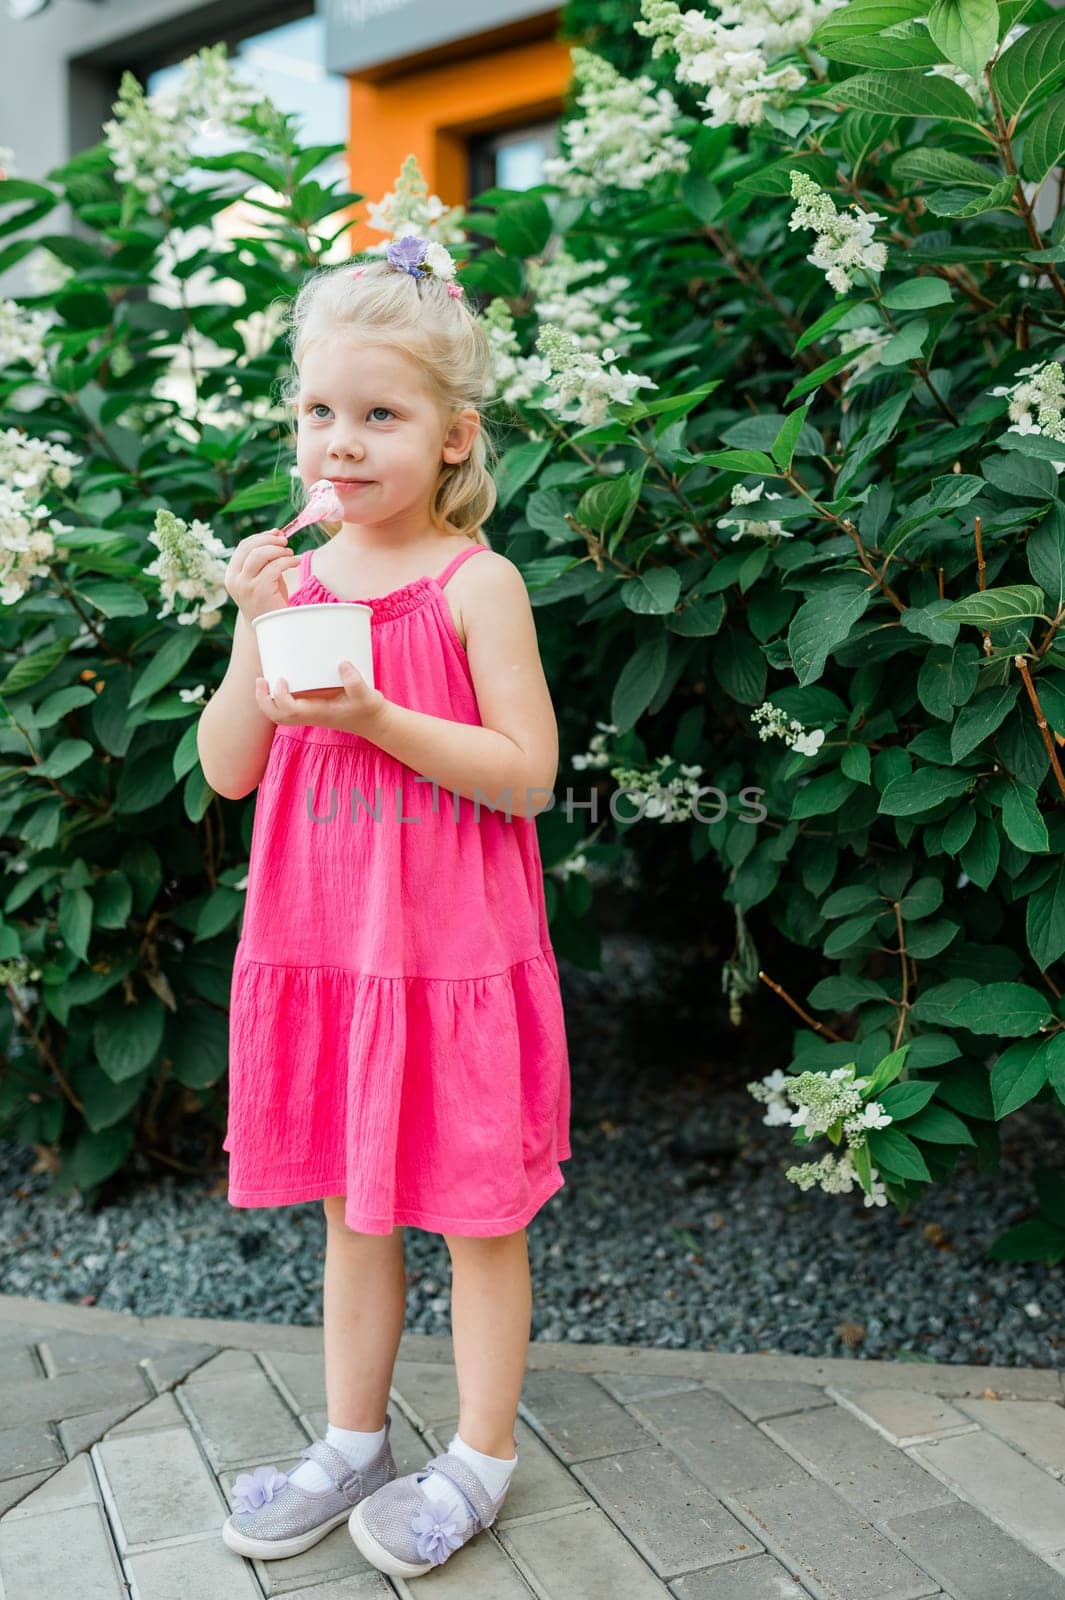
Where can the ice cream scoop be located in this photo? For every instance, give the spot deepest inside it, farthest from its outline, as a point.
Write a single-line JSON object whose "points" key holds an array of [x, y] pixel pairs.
{"points": [[323, 504]]}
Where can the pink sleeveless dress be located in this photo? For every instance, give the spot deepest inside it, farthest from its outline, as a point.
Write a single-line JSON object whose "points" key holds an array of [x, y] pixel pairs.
{"points": [[396, 1032]]}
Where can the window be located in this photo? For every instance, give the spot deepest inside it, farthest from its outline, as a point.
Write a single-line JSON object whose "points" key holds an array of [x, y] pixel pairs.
{"points": [[512, 158]]}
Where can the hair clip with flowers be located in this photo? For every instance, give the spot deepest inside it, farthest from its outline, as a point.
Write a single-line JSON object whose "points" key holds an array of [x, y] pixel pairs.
{"points": [[423, 258]]}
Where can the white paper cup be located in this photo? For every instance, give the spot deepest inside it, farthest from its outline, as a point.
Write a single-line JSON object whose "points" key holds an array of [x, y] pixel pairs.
{"points": [[306, 644]]}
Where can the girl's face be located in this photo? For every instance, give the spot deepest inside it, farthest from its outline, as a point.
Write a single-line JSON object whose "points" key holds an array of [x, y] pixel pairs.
{"points": [[368, 421]]}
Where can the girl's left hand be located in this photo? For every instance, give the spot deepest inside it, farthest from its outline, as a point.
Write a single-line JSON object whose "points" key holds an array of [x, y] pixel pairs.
{"points": [[353, 708]]}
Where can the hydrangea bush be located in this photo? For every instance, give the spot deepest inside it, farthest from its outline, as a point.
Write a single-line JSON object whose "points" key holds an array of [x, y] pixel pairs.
{"points": [[807, 518]]}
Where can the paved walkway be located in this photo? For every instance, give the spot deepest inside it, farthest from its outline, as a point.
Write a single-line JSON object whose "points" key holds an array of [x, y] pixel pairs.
{"points": [[643, 1473]]}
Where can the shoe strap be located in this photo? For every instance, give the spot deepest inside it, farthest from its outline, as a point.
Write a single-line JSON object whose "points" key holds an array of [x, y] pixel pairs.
{"points": [[348, 1479], [468, 1484]]}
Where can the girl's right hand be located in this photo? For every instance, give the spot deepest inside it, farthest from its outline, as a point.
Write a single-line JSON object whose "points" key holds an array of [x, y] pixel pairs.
{"points": [[255, 577]]}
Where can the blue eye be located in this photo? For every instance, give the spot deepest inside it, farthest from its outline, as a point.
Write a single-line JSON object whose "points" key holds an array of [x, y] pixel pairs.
{"points": [[320, 406], [385, 409]]}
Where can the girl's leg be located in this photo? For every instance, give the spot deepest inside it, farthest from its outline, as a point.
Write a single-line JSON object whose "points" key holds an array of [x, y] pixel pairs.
{"points": [[491, 1317], [364, 1302]]}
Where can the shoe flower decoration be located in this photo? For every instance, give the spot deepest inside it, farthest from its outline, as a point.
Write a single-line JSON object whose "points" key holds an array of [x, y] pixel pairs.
{"points": [[438, 1530], [254, 1489]]}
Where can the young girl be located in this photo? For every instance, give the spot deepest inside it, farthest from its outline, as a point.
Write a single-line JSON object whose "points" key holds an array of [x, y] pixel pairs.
{"points": [[397, 1043]]}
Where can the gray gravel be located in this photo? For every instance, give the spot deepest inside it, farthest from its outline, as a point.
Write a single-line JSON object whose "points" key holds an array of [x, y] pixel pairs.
{"points": [[676, 1228]]}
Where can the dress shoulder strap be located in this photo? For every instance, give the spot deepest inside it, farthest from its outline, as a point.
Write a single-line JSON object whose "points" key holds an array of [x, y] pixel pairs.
{"points": [[452, 566]]}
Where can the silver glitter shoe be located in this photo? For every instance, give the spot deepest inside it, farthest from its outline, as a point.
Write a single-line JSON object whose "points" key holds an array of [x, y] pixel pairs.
{"points": [[274, 1517], [405, 1533]]}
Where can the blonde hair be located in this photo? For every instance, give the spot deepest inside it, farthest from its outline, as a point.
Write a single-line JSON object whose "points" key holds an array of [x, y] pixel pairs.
{"points": [[441, 332]]}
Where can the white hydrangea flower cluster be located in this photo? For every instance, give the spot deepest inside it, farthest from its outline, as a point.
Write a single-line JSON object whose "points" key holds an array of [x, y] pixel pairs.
{"points": [[584, 382], [191, 565], [836, 1175], [1039, 389], [751, 527], [22, 332], [776, 725], [512, 377], [662, 802], [150, 137], [732, 53], [976, 88], [410, 208], [595, 313], [625, 138], [28, 467], [844, 243], [824, 1101], [597, 754], [32, 464], [25, 546]]}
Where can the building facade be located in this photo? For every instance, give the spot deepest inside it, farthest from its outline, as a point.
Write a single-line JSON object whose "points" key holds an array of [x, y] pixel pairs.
{"points": [[474, 89]]}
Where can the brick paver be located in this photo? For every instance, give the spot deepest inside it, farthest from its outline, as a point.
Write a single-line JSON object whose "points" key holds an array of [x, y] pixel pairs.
{"points": [[644, 1474]]}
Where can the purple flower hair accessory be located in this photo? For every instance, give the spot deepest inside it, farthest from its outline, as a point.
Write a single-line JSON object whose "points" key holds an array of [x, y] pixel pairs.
{"points": [[408, 254], [438, 1531], [254, 1489]]}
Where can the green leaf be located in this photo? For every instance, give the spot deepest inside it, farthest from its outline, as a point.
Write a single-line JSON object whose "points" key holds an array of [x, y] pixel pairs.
{"points": [[68, 754], [653, 592], [166, 663], [909, 46], [1022, 478], [895, 1154], [783, 446], [521, 462], [639, 682], [1033, 62], [823, 622], [1003, 1009], [1021, 817], [937, 1125], [1029, 1241], [96, 1156], [979, 719], [1045, 551], [923, 790], [966, 31], [995, 608], [187, 753], [274, 491], [699, 618], [916, 294], [198, 1046], [75, 921], [32, 668], [1045, 919], [926, 164], [980, 856], [1017, 1076], [523, 226], [824, 324], [822, 796], [904, 1100], [737, 461], [906, 345], [907, 94], [127, 1037], [740, 668], [1044, 141], [861, 17]]}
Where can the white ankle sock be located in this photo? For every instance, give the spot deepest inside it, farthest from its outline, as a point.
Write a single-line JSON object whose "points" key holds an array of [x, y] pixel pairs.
{"points": [[358, 1448], [493, 1471]]}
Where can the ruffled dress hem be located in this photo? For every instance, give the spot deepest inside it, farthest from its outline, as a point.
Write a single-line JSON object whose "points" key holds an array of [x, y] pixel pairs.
{"points": [[404, 1217]]}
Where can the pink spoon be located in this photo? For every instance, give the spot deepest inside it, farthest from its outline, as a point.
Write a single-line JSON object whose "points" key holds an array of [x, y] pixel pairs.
{"points": [[323, 504]]}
